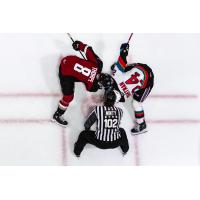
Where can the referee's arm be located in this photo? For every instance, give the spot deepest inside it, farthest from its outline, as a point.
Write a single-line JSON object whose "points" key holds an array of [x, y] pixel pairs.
{"points": [[90, 120]]}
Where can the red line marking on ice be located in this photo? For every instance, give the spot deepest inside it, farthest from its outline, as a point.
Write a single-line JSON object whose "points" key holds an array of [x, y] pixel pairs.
{"points": [[64, 148], [136, 151], [174, 121], [135, 139], [24, 121], [43, 94], [154, 121], [27, 94], [172, 96]]}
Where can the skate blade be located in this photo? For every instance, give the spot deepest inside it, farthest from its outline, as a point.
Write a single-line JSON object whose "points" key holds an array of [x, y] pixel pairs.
{"points": [[142, 132], [54, 121]]}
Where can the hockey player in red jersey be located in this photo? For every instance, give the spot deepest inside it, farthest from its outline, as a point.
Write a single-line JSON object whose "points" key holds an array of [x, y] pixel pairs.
{"points": [[134, 80], [74, 69]]}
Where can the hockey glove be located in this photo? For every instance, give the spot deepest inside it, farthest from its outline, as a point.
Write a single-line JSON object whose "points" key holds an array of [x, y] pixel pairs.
{"points": [[124, 49], [78, 46]]}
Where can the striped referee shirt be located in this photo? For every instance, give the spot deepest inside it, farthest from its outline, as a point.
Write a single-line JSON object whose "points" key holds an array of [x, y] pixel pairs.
{"points": [[108, 120]]}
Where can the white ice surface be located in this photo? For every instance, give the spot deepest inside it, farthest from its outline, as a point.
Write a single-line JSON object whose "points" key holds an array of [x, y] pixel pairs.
{"points": [[29, 64]]}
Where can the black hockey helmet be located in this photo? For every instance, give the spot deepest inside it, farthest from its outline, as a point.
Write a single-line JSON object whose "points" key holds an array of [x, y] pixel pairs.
{"points": [[105, 80], [109, 98]]}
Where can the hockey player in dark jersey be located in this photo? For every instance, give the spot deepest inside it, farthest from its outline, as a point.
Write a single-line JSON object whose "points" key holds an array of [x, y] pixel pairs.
{"points": [[108, 134], [74, 69], [134, 80]]}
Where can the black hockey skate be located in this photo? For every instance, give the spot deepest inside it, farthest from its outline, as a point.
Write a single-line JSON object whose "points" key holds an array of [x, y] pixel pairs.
{"points": [[139, 129], [58, 119]]}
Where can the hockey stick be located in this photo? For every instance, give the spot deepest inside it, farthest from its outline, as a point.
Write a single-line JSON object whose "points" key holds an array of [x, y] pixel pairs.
{"points": [[130, 38], [73, 41]]}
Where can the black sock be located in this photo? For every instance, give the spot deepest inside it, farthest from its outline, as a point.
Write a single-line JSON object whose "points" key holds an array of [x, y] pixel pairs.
{"points": [[60, 111]]}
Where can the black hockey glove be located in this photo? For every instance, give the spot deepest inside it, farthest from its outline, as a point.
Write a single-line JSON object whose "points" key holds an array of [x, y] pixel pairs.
{"points": [[77, 45], [124, 49]]}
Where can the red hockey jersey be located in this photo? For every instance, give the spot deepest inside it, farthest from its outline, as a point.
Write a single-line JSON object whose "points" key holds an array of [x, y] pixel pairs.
{"points": [[84, 71]]}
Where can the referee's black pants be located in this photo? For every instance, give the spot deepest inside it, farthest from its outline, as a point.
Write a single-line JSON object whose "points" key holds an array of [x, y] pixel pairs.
{"points": [[90, 137]]}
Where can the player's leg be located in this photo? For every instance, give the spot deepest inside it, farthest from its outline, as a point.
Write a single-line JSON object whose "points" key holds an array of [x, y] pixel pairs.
{"points": [[80, 144], [124, 141], [62, 107], [67, 87], [140, 123], [91, 139], [84, 138], [138, 98]]}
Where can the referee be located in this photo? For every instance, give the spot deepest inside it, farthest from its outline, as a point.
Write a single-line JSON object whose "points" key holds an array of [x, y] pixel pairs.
{"points": [[108, 134]]}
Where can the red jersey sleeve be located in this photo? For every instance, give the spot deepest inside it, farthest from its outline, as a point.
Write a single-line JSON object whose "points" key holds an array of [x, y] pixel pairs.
{"points": [[91, 56]]}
